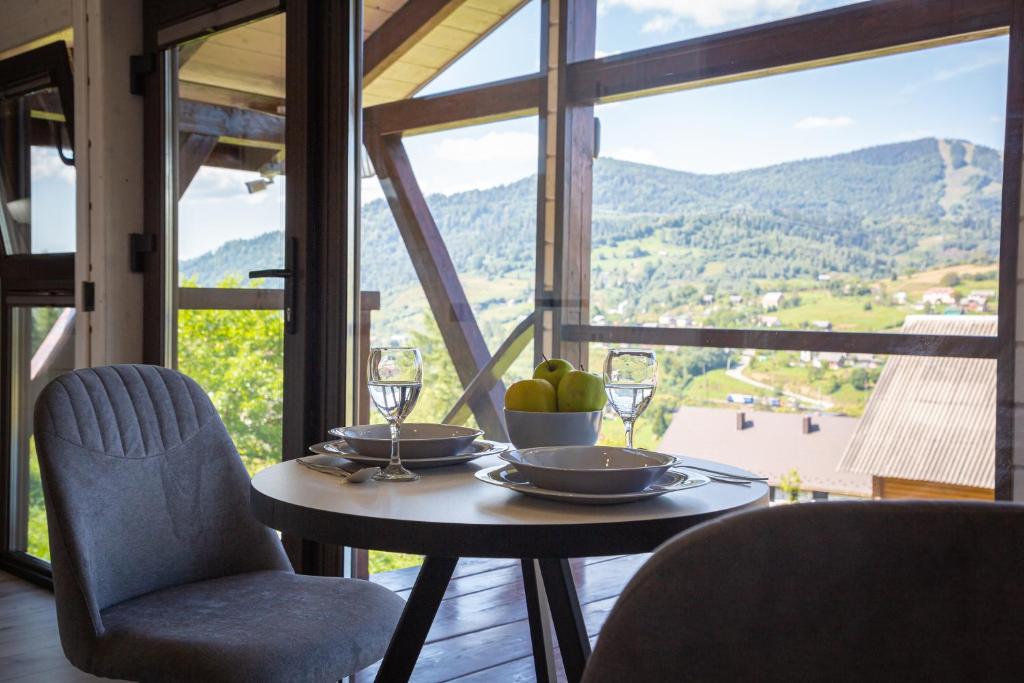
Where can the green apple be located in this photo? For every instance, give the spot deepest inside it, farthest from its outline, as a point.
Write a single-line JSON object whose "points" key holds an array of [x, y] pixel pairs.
{"points": [[553, 370], [531, 395], [580, 392]]}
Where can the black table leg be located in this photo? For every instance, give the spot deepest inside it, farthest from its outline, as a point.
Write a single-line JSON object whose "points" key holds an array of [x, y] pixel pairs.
{"points": [[540, 634], [566, 616], [418, 615]]}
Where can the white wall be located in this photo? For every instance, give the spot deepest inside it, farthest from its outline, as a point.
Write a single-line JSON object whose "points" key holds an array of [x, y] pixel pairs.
{"points": [[108, 137]]}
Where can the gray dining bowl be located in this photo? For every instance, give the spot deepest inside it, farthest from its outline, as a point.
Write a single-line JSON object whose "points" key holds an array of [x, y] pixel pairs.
{"points": [[416, 440], [531, 430], [590, 469]]}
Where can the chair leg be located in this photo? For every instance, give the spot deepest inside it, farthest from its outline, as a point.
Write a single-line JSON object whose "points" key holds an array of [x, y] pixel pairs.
{"points": [[417, 617]]}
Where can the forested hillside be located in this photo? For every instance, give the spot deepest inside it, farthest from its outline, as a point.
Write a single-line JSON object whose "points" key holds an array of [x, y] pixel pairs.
{"points": [[869, 213]]}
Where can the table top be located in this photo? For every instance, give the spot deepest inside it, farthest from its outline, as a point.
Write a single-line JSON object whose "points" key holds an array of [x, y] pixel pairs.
{"points": [[449, 512]]}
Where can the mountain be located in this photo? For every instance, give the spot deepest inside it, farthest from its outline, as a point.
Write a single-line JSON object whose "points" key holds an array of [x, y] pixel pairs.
{"points": [[870, 213]]}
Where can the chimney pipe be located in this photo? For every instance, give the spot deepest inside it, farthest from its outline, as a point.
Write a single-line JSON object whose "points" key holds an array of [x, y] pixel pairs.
{"points": [[741, 421], [806, 424]]}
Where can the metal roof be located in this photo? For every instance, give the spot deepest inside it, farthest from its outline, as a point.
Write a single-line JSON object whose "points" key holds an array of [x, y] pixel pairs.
{"points": [[771, 445], [931, 419]]}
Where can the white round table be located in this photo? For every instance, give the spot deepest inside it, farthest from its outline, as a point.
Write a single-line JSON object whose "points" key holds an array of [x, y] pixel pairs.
{"points": [[448, 514]]}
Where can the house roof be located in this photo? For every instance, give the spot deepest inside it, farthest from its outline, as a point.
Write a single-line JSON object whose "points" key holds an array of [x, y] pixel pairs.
{"points": [[931, 419], [772, 444]]}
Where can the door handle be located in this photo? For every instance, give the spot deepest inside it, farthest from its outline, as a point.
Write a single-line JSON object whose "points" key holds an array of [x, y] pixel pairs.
{"points": [[272, 272], [288, 275]]}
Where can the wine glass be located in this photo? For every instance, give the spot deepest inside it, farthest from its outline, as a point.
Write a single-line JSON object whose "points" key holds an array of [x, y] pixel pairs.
{"points": [[630, 377], [394, 378]]}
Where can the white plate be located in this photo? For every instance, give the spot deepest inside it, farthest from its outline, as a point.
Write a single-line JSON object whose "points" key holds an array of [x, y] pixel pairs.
{"points": [[419, 440], [477, 449], [506, 476]]}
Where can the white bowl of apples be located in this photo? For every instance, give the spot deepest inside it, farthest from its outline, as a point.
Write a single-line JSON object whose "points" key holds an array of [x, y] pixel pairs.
{"points": [[560, 406]]}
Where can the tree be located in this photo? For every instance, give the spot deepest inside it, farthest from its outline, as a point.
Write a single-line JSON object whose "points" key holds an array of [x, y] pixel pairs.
{"points": [[950, 280], [790, 485], [238, 358]]}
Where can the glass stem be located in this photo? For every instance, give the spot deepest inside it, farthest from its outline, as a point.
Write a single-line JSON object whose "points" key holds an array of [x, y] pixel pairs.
{"points": [[395, 458], [628, 423]]}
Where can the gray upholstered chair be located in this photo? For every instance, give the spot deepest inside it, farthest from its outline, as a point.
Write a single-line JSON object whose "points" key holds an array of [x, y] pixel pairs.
{"points": [[873, 591], [160, 571]]}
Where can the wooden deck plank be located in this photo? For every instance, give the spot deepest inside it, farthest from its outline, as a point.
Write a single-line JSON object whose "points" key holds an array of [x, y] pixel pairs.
{"points": [[481, 632]]}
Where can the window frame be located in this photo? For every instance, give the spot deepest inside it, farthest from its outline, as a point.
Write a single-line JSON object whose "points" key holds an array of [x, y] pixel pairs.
{"points": [[29, 280], [845, 34]]}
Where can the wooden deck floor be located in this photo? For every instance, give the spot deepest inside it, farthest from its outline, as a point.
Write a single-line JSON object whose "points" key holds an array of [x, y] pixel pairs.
{"points": [[480, 634]]}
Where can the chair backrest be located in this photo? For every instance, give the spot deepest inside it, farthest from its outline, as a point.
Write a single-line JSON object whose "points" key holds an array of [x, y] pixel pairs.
{"points": [[842, 591], [144, 490]]}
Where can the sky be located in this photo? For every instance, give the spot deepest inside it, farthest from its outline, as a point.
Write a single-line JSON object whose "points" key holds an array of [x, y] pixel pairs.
{"points": [[956, 91]]}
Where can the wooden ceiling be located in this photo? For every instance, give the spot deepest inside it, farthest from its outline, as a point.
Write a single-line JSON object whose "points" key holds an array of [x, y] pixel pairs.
{"points": [[245, 66]]}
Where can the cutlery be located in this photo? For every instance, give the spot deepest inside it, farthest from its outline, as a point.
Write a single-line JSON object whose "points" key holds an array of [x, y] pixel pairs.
{"points": [[723, 474], [723, 480], [356, 477]]}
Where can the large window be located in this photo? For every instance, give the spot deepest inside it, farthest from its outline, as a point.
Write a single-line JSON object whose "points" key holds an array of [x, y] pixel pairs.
{"points": [[804, 217], [230, 221], [37, 244]]}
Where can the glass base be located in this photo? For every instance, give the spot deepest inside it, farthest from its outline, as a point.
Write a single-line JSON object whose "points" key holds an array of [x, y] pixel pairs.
{"points": [[396, 473]]}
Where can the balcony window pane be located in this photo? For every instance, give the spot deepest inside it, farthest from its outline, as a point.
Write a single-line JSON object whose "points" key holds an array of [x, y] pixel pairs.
{"points": [[843, 198], [43, 347], [37, 175]]}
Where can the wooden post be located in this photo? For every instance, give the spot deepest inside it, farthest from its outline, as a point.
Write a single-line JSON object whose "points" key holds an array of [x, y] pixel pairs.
{"points": [[564, 182], [1009, 460], [437, 274]]}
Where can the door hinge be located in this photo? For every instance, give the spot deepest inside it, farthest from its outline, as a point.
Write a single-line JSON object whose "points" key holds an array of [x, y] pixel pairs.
{"points": [[141, 66], [88, 296], [141, 243]]}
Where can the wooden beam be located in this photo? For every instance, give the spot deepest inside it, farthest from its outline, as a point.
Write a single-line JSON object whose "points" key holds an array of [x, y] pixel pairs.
{"points": [[498, 101], [565, 180], [402, 30], [228, 97], [193, 153], [230, 299], [437, 274], [239, 158], [833, 36], [791, 340], [238, 125], [495, 369], [1010, 268]]}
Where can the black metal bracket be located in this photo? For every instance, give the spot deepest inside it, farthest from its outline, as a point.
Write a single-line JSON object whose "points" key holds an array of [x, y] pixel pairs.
{"points": [[141, 243], [141, 66], [288, 275], [88, 296]]}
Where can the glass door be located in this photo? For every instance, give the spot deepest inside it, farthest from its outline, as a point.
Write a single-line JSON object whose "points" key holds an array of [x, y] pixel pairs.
{"points": [[37, 313], [230, 210]]}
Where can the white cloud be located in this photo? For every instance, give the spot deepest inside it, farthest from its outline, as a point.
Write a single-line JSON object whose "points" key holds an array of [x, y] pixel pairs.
{"points": [[46, 164], [964, 69], [713, 13], [639, 155], [824, 122], [506, 146]]}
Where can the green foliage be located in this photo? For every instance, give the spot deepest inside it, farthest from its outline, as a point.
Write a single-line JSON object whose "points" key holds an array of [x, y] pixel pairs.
{"points": [[237, 357], [868, 213], [790, 486], [950, 280]]}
